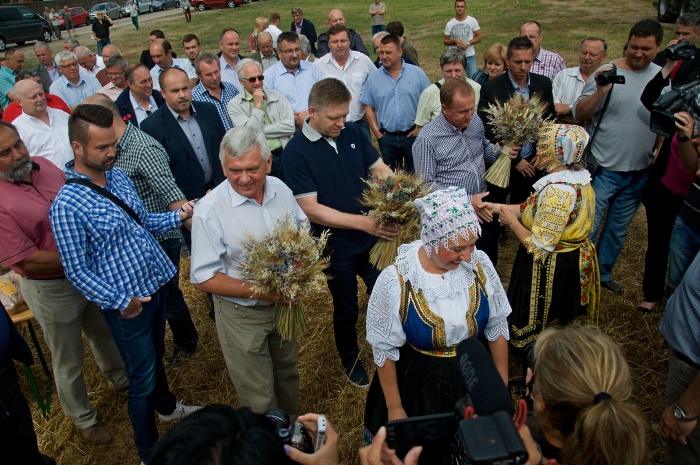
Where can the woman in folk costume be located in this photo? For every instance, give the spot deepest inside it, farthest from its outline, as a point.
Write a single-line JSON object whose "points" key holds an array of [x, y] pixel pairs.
{"points": [[555, 275], [440, 291]]}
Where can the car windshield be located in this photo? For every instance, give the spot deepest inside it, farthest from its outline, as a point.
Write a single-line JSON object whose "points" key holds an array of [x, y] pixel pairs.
{"points": [[101, 6]]}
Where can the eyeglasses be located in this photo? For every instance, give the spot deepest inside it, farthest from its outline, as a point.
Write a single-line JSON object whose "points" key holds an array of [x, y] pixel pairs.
{"points": [[255, 78]]}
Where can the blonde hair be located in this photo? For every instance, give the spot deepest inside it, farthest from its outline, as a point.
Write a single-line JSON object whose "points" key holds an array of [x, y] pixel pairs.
{"points": [[585, 385], [496, 52], [261, 24]]}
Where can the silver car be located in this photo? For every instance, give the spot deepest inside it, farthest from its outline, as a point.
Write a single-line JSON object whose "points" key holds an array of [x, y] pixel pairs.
{"points": [[111, 9], [145, 6]]}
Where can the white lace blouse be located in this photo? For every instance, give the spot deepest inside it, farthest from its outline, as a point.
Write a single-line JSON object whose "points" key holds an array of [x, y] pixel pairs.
{"points": [[446, 294]]}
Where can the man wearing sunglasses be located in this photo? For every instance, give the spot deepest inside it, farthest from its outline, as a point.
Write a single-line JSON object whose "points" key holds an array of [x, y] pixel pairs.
{"points": [[265, 109]]}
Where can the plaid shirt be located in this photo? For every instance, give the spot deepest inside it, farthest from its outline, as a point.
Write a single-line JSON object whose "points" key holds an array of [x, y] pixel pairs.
{"points": [[105, 254], [547, 63], [445, 156], [228, 91], [145, 161]]}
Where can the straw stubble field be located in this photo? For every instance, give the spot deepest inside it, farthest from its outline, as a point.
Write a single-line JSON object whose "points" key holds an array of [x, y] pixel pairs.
{"points": [[202, 379]]}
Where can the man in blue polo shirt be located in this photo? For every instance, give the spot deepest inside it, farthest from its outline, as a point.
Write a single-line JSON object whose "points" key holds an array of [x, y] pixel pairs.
{"points": [[390, 97], [324, 166]]}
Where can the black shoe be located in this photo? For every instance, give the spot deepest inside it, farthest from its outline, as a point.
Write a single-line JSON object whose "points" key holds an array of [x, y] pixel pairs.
{"points": [[356, 373], [181, 352], [612, 286]]}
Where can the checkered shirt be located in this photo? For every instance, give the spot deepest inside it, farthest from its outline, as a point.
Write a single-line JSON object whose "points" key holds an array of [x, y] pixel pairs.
{"points": [[105, 254], [547, 63], [445, 156], [228, 91]]}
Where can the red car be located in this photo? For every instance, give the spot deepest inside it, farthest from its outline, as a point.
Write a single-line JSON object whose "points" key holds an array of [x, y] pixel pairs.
{"points": [[202, 5], [79, 16]]}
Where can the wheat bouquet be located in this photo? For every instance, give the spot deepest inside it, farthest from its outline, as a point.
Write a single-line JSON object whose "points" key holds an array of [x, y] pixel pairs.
{"points": [[390, 201], [288, 263], [514, 122]]}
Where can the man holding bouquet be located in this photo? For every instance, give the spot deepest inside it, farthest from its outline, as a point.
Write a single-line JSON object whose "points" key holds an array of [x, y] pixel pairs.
{"points": [[324, 165], [248, 205]]}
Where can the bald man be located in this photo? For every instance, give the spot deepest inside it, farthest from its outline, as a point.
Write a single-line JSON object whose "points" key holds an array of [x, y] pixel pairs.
{"points": [[336, 16], [89, 60], [44, 130], [14, 109]]}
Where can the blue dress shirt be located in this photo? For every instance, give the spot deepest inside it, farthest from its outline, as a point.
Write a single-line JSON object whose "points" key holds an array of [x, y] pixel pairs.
{"points": [[295, 86]]}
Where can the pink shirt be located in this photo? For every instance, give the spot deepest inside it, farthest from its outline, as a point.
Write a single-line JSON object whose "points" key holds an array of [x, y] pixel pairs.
{"points": [[676, 178], [24, 216]]}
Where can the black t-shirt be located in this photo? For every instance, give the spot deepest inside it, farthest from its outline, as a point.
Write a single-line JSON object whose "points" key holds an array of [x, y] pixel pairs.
{"points": [[336, 180], [101, 28]]}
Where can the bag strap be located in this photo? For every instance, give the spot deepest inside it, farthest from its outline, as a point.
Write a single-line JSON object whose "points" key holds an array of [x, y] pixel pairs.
{"points": [[437, 84], [597, 125], [108, 195]]}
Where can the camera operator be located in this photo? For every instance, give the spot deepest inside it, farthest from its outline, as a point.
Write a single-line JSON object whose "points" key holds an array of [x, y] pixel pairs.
{"points": [[668, 183], [621, 142], [223, 435], [582, 393]]}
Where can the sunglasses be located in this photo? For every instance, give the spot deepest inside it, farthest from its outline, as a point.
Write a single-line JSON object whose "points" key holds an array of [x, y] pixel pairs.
{"points": [[255, 78]]}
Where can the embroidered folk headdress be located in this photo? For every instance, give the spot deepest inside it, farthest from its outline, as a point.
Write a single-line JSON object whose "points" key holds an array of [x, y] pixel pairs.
{"points": [[560, 144]]}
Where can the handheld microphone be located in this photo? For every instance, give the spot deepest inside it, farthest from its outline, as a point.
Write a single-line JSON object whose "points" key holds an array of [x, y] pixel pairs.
{"points": [[484, 384]]}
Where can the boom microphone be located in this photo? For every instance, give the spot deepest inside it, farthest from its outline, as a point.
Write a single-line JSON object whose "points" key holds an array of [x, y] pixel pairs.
{"points": [[484, 384]]}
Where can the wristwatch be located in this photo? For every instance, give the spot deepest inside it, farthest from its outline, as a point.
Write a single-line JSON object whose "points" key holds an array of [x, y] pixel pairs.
{"points": [[680, 415]]}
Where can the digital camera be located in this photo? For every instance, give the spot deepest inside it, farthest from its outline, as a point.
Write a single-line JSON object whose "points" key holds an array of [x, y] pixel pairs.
{"points": [[609, 77]]}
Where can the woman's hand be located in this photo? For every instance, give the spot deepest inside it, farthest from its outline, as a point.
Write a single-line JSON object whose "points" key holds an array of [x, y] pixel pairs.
{"points": [[509, 214], [378, 453], [327, 454], [685, 124]]}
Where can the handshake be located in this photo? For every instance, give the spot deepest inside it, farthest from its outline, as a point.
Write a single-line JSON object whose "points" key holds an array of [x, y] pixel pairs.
{"points": [[507, 214]]}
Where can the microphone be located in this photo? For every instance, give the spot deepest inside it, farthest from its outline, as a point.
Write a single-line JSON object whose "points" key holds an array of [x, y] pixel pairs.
{"points": [[484, 384]]}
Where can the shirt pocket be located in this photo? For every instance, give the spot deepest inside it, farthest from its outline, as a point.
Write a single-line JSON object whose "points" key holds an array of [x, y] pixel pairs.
{"points": [[358, 79]]}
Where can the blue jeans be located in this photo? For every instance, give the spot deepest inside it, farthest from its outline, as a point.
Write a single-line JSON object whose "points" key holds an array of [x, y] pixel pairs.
{"points": [[377, 28], [617, 197], [685, 244], [397, 151], [471, 66], [101, 44], [141, 343]]}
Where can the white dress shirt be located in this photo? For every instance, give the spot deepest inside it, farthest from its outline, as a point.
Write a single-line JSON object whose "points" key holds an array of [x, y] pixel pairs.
{"points": [[229, 74], [224, 220], [99, 66], [46, 140], [182, 63], [353, 74], [140, 112]]}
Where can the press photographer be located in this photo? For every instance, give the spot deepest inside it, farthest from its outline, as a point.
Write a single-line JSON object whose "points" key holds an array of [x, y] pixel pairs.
{"points": [[671, 90]]}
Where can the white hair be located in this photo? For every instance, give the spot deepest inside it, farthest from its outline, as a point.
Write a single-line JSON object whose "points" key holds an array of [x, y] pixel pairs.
{"points": [[82, 52], [65, 55], [246, 61], [240, 140]]}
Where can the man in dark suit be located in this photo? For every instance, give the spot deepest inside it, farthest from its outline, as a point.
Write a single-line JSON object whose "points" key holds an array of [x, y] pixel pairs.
{"points": [[139, 100], [517, 80], [301, 25], [191, 133]]}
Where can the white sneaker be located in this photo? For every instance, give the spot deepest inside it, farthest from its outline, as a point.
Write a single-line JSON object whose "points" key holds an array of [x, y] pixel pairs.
{"points": [[180, 412]]}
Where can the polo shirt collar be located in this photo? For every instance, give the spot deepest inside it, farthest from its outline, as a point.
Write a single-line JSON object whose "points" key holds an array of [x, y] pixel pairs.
{"points": [[310, 133], [238, 200]]}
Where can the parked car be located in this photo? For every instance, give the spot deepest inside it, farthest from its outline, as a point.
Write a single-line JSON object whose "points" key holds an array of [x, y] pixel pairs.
{"points": [[202, 5], [78, 14], [163, 5], [111, 9], [145, 6], [19, 24]]}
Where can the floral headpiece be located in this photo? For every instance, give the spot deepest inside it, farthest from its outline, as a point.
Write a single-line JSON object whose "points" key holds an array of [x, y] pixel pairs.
{"points": [[445, 215], [560, 144]]}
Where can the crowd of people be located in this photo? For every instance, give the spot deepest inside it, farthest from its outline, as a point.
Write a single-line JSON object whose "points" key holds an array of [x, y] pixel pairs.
{"points": [[109, 169]]}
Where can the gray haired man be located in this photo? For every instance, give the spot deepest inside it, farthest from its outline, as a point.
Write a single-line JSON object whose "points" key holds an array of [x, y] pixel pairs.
{"points": [[262, 366]]}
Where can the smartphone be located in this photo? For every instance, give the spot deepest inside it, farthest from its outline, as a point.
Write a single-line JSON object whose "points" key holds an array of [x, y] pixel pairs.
{"points": [[320, 439], [425, 430]]}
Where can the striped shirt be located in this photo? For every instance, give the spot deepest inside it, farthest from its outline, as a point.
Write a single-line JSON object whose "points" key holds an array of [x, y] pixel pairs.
{"points": [[146, 162], [105, 254], [445, 156], [547, 63], [680, 324], [567, 85], [228, 91]]}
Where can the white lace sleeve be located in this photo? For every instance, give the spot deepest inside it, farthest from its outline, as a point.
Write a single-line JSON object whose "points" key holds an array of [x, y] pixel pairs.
{"points": [[499, 307], [384, 331]]}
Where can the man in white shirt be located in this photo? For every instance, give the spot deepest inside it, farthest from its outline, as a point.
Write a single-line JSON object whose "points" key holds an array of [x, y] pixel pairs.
{"points": [[162, 55], [89, 60], [43, 130], [463, 32], [348, 66], [230, 47], [567, 85], [274, 28], [261, 365]]}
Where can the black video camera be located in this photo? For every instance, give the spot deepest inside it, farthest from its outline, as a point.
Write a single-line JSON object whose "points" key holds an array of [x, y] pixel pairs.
{"points": [[490, 438], [679, 51], [294, 435], [682, 98], [609, 77]]}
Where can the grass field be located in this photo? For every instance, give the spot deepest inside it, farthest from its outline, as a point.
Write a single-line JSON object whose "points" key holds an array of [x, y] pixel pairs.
{"points": [[202, 379]]}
